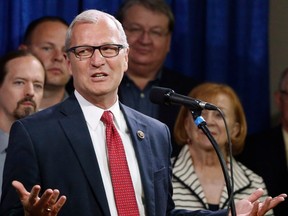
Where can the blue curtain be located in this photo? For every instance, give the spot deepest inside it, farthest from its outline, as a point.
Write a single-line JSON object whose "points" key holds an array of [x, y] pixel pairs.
{"points": [[214, 40]]}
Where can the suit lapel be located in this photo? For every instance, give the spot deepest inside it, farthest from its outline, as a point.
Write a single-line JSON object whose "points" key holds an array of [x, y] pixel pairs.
{"points": [[142, 146], [75, 127]]}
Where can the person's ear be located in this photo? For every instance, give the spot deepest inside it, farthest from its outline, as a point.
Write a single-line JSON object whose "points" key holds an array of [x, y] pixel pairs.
{"points": [[235, 129], [23, 47], [277, 99], [126, 58], [68, 63], [169, 42]]}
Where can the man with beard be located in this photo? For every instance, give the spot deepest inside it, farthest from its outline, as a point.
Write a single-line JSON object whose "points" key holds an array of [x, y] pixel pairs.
{"points": [[45, 38], [22, 78]]}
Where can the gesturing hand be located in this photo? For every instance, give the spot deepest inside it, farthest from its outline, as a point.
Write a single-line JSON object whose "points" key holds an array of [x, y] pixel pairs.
{"points": [[48, 204], [252, 207]]}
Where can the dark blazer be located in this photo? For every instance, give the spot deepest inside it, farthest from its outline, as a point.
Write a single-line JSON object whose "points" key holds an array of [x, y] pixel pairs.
{"points": [[53, 148], [264, 153], [181, 84]]}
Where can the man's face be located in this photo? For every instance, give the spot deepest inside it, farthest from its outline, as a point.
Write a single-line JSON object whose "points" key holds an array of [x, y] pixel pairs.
{"points": [[22, 88], [97, 78], [148, 36], [47, 43]]}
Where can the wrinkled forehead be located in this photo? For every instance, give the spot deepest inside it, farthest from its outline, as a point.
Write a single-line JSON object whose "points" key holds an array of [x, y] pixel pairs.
{"points": [[96, 17], [94, 31], [102, 22], [25, 66]]}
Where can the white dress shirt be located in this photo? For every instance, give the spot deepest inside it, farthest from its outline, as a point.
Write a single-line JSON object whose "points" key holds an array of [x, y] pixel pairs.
{"points": [[96, 128]]}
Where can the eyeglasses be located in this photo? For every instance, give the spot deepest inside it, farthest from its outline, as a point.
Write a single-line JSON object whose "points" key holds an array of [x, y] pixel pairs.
{"points": [[153, 33], [85, 52]]}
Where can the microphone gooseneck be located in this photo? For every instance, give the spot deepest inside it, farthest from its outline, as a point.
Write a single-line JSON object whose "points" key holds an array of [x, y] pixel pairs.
{"points": [[160, 95]]}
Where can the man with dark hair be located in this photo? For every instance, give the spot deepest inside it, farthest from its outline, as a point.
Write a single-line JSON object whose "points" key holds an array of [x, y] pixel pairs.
{"points": [[21, 89], [149, 41], [45, 38]]}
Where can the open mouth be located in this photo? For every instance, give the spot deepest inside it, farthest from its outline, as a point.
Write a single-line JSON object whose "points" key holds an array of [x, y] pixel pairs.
{"points": [[99, 75]]}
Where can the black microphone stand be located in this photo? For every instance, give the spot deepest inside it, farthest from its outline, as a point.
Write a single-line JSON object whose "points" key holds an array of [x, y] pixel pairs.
{"points": [[200, 123]]}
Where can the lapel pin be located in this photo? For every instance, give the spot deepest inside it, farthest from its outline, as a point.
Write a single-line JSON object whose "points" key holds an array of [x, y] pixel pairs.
{"points": [[140, 134]]}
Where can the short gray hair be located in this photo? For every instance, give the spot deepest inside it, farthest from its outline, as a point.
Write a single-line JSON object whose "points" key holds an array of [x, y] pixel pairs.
{"points": [[93, 16]]}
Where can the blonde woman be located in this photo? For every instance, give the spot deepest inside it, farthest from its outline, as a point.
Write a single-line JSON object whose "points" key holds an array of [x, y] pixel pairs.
{"points": [[198, 180]]}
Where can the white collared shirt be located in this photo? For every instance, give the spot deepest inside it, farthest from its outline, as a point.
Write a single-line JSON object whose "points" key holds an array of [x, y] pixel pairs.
{"points": [[96, 128]]}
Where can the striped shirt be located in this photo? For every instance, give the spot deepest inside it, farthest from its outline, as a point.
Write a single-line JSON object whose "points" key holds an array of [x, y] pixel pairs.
{"points": [[188, 192]]}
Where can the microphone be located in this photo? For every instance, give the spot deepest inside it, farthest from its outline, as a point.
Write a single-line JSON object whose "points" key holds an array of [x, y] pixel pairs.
{"points": [[160, 95]]}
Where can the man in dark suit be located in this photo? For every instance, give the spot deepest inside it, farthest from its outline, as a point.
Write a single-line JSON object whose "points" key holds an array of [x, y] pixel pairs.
{"points": [[64, 146], [149, 41], [266, 152]]}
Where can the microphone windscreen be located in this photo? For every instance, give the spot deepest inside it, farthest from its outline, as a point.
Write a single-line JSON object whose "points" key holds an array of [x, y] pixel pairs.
{"points": [[158, 95]]}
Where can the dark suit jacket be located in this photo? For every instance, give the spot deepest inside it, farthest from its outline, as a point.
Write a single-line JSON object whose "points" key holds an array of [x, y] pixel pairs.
{"points": [[53, 148], [264, 153], [181, 84]]}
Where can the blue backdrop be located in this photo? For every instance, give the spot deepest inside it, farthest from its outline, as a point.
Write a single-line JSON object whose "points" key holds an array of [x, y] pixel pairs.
{"points": [[214, 40]]}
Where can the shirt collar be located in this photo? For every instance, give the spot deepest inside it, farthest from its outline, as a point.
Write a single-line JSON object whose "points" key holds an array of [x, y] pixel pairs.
{"points": [[157, 78], [184, 161], [4, 139], [93, 113]]}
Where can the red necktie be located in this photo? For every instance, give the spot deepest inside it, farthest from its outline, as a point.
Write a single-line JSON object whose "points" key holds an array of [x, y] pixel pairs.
{"points": [[121, 180]]}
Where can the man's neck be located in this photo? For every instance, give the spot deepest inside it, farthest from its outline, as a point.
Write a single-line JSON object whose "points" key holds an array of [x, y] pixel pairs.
{"points": [[6, 122], [52, 97], [142, 76]]}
